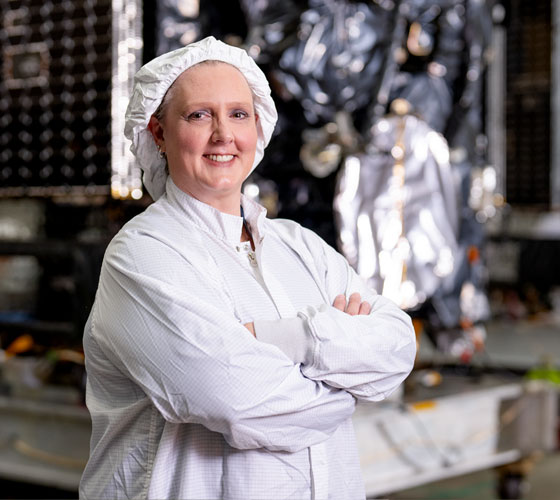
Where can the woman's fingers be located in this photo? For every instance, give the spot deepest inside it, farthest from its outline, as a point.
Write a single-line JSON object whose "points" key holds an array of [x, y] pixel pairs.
{"points": [[251, 327], [353, 306], [365, 308], [340, 302]]}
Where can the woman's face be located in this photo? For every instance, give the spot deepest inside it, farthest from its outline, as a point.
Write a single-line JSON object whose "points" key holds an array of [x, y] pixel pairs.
{"points": [[209, 134]]}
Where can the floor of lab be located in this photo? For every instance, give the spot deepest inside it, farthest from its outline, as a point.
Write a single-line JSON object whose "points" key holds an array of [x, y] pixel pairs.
{"points": [[542, 483]]}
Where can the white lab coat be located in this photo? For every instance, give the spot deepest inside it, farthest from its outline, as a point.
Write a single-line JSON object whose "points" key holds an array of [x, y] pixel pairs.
{"points": [[187, 404]]}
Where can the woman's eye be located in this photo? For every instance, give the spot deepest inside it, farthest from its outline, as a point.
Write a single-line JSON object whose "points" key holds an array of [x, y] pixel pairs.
{"points": [[240, 114], [197, 115]]}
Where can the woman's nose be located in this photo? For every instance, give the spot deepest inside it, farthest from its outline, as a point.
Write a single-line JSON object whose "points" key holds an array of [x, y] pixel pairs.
{"points": [[222, 132]]}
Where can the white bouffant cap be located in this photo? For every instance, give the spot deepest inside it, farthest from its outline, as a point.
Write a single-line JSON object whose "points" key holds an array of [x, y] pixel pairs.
{"points": [[154, 78]]}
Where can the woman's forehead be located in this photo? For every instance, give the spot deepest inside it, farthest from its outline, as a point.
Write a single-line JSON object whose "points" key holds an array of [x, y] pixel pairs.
{"points": [[210, 75]]}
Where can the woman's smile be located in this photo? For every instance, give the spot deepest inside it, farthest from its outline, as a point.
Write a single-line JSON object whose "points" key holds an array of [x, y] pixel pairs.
{"points": [[220, 158]]}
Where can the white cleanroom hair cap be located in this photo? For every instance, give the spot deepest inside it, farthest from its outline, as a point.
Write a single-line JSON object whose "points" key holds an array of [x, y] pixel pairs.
{"points": [[152, 81]]}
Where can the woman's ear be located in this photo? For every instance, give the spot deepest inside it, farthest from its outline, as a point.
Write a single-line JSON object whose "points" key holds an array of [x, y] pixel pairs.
{"points": [[156, 129]]}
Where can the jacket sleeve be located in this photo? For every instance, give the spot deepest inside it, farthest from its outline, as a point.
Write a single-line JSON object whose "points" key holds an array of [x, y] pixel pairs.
{"points": [[169, 329], [367, 355]]}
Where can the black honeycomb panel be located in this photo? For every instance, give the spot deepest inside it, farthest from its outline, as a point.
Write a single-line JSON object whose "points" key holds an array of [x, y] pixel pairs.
{"points": [[55, 99], [528, 103]]}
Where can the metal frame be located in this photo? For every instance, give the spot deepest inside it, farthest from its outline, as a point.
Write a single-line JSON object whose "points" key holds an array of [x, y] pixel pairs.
{"points": [[496, 91], [555, 108], [127, 57]]}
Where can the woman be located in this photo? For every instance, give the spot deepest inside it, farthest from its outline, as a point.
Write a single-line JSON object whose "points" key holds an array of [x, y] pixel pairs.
{"points": [[225, 351]]}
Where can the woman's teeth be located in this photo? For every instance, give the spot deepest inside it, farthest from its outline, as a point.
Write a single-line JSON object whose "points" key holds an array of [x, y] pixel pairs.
{"points": [[220, 157]]}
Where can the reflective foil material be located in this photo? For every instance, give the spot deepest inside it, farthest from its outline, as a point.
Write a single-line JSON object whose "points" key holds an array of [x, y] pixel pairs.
{"points": [[339, 54], [328, 54], [396, 210]]}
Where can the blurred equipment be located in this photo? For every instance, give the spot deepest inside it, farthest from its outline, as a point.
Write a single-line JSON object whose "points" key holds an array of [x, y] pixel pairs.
{"points": [[180, 22], [336, 61], [66, 72], [324, 148], [455, 428], [396, 209]]}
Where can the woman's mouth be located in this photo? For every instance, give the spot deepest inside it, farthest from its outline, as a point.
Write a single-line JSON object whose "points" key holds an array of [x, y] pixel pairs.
{"points": [[220, 158]]}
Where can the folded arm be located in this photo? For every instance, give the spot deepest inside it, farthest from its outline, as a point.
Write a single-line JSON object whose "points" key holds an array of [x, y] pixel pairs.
{"points": [[364, 345], [187, 352]]}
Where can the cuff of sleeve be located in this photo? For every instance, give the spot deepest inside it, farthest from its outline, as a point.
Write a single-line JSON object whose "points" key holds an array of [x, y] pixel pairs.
{"points": [[289, 335]]}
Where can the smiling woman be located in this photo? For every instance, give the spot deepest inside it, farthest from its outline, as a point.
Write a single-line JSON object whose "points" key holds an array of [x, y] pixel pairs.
{"points": [[208, 131], [225, 351]]}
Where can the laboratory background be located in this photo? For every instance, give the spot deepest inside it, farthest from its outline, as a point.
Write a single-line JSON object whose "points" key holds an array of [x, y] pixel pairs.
{"points": [[421, 138]]}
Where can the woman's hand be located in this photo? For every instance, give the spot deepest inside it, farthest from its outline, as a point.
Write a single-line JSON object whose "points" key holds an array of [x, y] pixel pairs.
{"points": [[354, 305], [251, 328]]}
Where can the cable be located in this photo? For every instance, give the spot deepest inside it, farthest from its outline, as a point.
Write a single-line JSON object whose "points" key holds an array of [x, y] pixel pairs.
{"points": [[421, 427], [45, 456]]}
